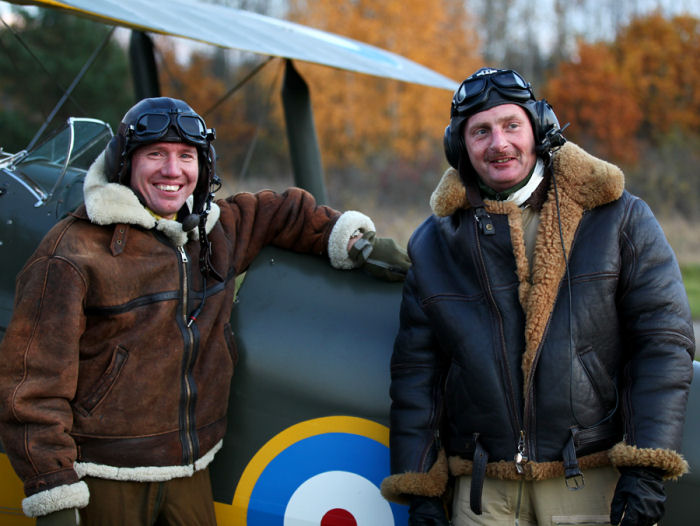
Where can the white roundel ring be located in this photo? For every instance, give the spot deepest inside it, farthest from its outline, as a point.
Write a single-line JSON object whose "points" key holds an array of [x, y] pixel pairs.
{"points": [[337, 497]]}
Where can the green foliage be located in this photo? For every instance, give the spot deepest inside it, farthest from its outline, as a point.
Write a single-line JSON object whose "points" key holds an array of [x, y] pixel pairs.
{"points": [[37, 71], [666, 175], [691, 278]]}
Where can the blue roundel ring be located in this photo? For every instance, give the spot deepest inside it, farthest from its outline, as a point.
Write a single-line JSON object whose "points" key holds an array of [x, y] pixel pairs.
{"points": [[325, 471]]}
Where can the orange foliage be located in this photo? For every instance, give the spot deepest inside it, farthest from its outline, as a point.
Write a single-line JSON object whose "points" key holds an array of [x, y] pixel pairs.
{"points": [[593, 96], [661, 57], [361, 118], [236, 118], [633, 91]]}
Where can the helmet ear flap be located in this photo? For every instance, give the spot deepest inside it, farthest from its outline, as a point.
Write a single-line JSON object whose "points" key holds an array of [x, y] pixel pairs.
{"points": [[548, 133], [208, 181], [114, 158], [452, 147]]}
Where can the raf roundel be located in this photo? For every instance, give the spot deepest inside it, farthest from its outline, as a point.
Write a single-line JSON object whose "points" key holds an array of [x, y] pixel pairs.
{"points": [[325, 471]]}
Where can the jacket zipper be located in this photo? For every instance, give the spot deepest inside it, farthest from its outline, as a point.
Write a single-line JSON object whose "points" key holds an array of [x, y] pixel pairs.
{"points": [[187, 419], [527, 402], [525, 442], [518, 430]]}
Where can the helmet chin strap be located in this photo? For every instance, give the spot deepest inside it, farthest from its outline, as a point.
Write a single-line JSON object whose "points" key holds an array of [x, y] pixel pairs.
{"points": [[205, 267]]}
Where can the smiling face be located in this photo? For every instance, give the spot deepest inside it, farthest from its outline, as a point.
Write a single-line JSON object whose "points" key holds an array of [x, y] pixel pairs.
{"points": [[164, 174], [501, 145]]}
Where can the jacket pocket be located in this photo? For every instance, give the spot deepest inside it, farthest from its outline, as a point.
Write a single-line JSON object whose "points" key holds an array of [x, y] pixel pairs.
{"points": [[105, 383], [598, 376], [231, 343], [594, 391]]}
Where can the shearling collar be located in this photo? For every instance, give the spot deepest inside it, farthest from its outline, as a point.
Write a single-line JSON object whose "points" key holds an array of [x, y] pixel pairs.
{"points": [[111, 203], [587, 180]]}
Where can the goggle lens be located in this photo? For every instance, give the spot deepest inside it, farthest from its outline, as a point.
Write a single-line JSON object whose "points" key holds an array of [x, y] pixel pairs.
{"points": [[509, 79], [192, 126], [469, 88], [151, 124]]}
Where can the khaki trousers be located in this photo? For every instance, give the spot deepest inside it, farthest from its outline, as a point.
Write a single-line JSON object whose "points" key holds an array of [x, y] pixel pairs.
{"points": [[538, 503], [179, 502]]}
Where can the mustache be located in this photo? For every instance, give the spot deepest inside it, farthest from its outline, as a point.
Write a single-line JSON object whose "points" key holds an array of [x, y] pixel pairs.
{"points": [[499, 155]]}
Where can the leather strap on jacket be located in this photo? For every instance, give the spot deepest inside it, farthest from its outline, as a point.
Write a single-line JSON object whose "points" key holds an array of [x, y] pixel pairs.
{"points": [[475, 200], [572, 472], [119, 239], [481, 458]]}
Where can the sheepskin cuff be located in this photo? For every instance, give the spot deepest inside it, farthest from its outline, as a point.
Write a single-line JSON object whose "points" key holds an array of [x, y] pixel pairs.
{"points": [[346, 225], [397, 488], [55, 499], [672, 463]]}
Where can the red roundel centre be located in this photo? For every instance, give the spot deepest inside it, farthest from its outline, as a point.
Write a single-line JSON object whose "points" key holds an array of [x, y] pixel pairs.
{"points": [[338, 517]]}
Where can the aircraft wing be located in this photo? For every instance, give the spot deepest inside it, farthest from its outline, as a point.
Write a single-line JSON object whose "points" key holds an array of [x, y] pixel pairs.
{"points": [[235, 28]]}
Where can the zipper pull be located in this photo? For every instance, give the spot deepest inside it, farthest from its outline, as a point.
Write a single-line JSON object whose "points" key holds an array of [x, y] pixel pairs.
{"points": [[520, 456], [183, 254]]}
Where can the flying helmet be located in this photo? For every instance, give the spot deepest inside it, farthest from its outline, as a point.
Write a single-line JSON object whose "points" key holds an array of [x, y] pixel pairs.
{"points": [[490, 87], [164, 119]]}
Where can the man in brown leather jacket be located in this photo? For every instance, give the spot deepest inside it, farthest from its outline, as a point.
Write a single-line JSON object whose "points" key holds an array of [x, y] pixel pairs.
{"points": [[115, 369]]}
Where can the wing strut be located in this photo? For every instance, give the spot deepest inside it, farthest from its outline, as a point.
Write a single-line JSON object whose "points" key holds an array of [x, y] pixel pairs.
{"points": [[143, 66], [301, 134]]}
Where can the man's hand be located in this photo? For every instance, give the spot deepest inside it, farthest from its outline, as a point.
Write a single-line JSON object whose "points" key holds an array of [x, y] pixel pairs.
{"points": [[427, 511], [639, 497], [67, 517], [381, 257]]}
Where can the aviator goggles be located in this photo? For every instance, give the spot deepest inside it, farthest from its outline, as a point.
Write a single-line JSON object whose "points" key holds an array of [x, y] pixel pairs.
{"points": [[476, 90], [153, 126]]}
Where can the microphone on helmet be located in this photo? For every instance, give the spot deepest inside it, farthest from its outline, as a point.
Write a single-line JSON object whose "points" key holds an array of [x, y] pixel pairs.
{"points": [[190, 222]]}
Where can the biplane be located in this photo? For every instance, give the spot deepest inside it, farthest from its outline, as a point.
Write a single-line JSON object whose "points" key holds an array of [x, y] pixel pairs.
{"points": [[308, 438]]}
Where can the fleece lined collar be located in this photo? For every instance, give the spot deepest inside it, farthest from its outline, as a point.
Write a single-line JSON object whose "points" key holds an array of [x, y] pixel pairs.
{"points": [[587, 180], [111, 203]]}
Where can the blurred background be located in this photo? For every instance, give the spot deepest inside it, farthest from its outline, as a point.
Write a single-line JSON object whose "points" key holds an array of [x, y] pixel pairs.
{"points": [[624, 73]]}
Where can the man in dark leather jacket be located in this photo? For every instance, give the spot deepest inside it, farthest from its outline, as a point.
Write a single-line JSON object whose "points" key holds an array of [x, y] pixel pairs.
{"points": [[545, 342], [116, 366]]}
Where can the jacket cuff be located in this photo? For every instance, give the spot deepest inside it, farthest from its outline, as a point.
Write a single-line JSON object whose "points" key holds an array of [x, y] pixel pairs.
{"points": [[397, 488], [346, 225], [59, 498], [671, 462]]}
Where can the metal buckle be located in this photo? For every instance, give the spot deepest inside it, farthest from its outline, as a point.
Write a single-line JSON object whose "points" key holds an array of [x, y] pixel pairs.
{"points": [[575, 482]]}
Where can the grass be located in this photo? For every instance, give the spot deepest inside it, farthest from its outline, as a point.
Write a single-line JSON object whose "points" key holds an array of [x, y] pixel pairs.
{"points": [[691, 278]]}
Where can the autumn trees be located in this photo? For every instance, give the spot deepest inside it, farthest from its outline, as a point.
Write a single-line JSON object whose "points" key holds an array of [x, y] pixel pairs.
{"points": [[376, 131], [636, 102], [632, 95]]}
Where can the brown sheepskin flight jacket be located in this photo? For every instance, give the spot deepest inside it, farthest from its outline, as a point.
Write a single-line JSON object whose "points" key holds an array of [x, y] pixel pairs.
{"points": [[101, 371]]}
